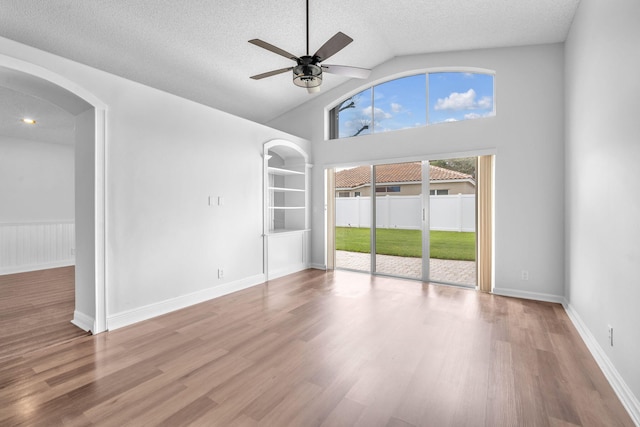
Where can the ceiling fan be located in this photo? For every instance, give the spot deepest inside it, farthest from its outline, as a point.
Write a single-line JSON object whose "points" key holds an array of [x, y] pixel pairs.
{"points": [[308, 72]]}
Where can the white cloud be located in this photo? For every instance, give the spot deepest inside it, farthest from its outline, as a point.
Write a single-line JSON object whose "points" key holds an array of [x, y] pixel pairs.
{"points": [[395, 107], [485, 102], [378, 113], [450, 119], [469, 116], [457, 101], [463, 101]]}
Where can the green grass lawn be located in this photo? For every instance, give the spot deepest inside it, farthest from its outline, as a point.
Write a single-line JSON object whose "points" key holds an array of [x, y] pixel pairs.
{"points": [[408, 243]]}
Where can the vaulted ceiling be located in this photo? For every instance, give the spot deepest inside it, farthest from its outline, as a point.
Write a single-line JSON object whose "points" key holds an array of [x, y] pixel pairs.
{"points": [[198, 49]]}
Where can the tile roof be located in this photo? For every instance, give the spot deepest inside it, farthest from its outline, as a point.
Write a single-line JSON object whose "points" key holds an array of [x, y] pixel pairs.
{"points": [[396, 172]]}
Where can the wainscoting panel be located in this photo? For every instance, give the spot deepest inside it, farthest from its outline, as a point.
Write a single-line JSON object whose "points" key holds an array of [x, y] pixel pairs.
{"points": [[31, 246]]}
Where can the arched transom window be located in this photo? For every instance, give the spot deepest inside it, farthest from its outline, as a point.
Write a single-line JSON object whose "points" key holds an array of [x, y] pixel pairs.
{"points": [[414, 101]]}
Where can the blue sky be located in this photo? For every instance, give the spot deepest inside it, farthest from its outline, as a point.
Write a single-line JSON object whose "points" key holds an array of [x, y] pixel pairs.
{"points": [[401, 103], [459, 96]]}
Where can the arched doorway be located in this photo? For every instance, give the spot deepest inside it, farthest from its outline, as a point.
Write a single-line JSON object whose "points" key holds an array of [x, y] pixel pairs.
{"points": [[90, 224]]}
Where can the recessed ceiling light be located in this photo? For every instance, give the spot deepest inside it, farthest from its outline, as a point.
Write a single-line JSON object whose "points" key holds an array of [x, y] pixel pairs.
{"points": [[29, 121]]}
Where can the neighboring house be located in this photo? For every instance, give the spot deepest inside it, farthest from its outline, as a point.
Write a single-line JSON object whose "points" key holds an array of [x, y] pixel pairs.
{"points": [[402, 179]]}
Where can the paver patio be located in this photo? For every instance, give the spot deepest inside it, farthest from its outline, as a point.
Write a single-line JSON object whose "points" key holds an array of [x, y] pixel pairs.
{"points": [[449, 271]]}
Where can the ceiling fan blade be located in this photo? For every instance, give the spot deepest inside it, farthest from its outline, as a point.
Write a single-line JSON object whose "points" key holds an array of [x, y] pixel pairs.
{"points": [[271, 73], [344, 70], [273, 49], [333, 46]]}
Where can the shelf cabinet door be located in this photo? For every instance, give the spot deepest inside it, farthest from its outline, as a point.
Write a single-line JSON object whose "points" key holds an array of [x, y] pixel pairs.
{"points": [[287, 253]]}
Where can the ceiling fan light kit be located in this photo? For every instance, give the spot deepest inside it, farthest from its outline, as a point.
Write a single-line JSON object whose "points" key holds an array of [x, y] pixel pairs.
{"points": [[308, 72], [308, 76]]}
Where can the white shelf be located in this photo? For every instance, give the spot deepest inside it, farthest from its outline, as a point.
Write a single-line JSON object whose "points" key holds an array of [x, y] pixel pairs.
{"points": [[283, 190], [279, 171]]}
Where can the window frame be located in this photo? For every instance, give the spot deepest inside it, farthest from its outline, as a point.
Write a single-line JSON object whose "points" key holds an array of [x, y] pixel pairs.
{"points": [[388, 189], [331, 118]]}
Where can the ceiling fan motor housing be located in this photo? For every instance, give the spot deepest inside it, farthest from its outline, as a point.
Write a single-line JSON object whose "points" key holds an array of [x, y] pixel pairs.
{"points": [[307, 73]]}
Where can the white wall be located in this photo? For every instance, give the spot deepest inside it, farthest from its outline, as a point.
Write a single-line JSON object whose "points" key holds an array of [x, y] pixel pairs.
{"points": [[603, 189], [165, 239], [526, 135], [36, 181], [36, 205], [164, 157]]}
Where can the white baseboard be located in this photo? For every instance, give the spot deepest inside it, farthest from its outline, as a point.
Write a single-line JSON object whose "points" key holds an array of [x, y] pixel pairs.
{"points": [[35, 267], [274, 274], [130, 317], [626, 396], [528, 295], [83, 321]]}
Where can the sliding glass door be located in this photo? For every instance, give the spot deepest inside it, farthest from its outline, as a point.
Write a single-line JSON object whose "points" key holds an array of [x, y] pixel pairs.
{"points": [[417, 220], [399, 207], [352, 194], [452, 218]]}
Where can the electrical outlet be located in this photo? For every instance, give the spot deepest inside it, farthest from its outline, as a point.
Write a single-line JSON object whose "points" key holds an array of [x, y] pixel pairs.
{"points": [[220, 273], [610, 335], [524, 275]]}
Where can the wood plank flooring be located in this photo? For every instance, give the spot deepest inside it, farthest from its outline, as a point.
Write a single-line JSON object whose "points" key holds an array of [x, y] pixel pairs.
{"points": [[322, 349], [36, 309]]}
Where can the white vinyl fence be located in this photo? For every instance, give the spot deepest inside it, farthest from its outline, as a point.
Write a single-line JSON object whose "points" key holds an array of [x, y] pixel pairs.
{"points": [[448, 213]]}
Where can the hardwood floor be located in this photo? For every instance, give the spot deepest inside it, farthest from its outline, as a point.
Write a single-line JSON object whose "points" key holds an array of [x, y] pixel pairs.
{"points": [[330, 349], [36, 309]]}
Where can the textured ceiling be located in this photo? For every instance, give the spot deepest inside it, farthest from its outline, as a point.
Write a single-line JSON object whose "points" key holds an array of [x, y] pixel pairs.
{"points": [[198, 49]]}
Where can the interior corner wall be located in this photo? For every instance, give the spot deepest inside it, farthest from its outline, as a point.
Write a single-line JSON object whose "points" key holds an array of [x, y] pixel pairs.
{"points": [[527, 136], [36, 181], [165, 157], [602, 185]]}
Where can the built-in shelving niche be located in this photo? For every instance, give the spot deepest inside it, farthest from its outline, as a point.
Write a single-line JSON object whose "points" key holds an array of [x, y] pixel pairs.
{"points": [[286, 210]]}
